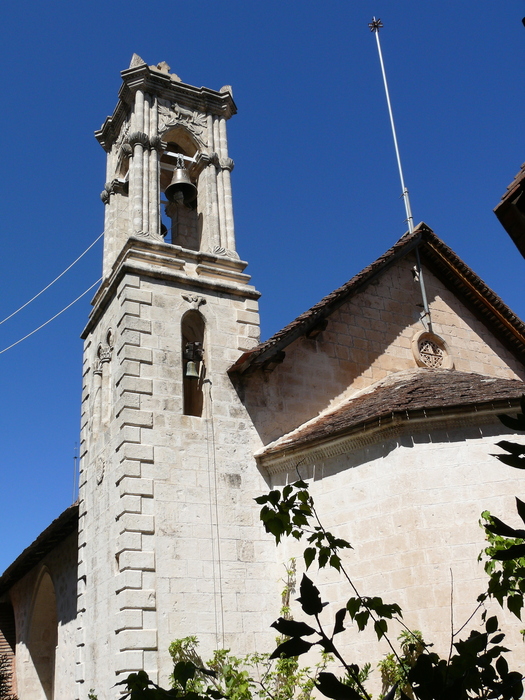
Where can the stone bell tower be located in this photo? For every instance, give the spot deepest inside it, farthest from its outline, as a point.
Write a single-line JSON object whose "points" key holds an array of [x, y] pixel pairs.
{"points": [[170, 543]]}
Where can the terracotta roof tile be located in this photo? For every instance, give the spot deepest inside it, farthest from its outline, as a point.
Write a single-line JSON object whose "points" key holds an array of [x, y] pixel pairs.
{"points": [[406, 395]]}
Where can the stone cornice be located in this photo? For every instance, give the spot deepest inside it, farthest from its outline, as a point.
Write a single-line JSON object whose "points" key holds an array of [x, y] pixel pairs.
{"points": [[167, 262], [156, 82], [381, 429]]}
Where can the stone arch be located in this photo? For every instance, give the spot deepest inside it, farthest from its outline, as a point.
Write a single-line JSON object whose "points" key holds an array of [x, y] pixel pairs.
{"points": [[42, 639], [181, 219], [192, 336]]}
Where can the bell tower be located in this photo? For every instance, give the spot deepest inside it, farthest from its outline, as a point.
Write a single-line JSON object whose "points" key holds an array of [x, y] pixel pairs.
{"points": [[169, 541]]}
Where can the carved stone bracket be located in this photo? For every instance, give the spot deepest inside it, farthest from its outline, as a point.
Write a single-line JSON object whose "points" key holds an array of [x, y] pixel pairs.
{"points": [[138, 137], [194, 300], [224, 252], [155, 144], [227, 164], [126, 151], [116, 186]]}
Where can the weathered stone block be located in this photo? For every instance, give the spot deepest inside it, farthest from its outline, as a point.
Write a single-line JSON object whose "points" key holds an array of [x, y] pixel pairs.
{"points": [[129, 598]]}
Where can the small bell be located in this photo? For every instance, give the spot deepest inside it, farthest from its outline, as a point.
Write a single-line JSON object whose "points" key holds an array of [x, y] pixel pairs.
{"points": [[191, 370], [181, 189]]}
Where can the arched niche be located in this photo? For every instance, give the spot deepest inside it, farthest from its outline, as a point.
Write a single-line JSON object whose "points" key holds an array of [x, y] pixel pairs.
{"points": [[181, 220], [192, 336], [43, 636]]}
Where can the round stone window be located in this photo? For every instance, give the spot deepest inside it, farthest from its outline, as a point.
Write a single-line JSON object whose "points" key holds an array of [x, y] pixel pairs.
{"points": [[431, 351]]}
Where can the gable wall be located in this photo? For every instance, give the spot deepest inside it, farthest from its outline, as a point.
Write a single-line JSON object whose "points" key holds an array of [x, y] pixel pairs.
{"points": [[368, 338]]}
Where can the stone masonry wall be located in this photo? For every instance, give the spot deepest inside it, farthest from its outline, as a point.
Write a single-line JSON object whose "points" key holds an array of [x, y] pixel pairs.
{"points": [[170, 543], [410, 508]]}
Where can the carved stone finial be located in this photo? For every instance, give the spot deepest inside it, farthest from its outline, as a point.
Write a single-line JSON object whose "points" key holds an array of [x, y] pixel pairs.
{"points": [[136, 60], [194, 300], [163, 66], [227, 88]]}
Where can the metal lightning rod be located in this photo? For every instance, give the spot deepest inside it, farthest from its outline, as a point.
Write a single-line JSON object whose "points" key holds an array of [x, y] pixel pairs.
{"points": [[375, 25]]}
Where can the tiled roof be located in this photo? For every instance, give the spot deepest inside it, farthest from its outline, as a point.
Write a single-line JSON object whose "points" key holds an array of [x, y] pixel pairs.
{"points": [[62, 527], [441, 260], [407, 395], [511, 210]]}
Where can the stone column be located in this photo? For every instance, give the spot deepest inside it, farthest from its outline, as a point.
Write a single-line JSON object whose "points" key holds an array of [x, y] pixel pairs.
{"points": [[213, 204], [220, 185], [137, 141], [154, 193], [226, 168], [145, 168]]}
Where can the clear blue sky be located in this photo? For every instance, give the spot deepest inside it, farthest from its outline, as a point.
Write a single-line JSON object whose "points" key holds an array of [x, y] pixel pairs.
{"points": [[316, 190]]}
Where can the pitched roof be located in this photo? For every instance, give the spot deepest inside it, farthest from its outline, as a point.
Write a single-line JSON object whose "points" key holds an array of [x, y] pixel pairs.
{"points": [[511, 210], [437, 257], [418, 394], [60, 528]]}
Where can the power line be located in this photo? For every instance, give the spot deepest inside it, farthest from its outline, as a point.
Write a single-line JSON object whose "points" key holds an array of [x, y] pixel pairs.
{"points": [[52, 318], [51, 283]]}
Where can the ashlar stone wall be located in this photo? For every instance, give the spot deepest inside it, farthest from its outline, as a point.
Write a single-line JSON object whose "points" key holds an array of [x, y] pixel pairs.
{"points": [[170, 543], [410, 508]]}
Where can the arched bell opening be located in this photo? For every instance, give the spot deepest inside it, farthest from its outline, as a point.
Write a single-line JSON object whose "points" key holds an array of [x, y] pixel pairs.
{"points": [[179, 190], [193, 369], [43, 638]]}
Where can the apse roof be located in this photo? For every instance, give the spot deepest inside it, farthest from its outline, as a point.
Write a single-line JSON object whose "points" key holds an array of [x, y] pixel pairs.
{"points": [[412, 395], [437, 257]]}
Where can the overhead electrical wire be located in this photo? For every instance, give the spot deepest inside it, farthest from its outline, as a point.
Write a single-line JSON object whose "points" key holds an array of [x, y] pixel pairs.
{"points": [[51, 283], [52, 318]]}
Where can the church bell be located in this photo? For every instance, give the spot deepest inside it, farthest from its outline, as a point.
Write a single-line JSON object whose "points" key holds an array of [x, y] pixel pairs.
{"points": [[181, 189], [191, 370]]}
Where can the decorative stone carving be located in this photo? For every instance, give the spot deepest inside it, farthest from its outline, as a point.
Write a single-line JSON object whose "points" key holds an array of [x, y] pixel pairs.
{"points": [[163, 66], [116, 186], [171, 114], [224, 252], [136, 61], [149, 236], [138, 137], [104, 352], [155, 143], [125, 150], [100, 468], [431, 351], [194, 300], [227, 164]]}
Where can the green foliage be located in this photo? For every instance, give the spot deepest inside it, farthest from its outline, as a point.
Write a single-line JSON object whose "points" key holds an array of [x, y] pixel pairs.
{"points": [[5, 679], [92, 695], [395, 672]]}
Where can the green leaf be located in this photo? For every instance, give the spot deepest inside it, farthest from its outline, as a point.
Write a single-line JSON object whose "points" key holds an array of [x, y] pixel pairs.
{"points": [[309, 556], [381, 628], [500, 528], [492, 624], [322, 557], [332, 687], [335, 562], [292, 628], [515, 552], [310, 598], [339, 619], [362, 619], [183, 672], [292, 647], [353, 605], [515, 604]]}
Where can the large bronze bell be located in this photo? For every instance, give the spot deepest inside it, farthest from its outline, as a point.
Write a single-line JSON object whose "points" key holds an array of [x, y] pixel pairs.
{"points": [[181, 189]]}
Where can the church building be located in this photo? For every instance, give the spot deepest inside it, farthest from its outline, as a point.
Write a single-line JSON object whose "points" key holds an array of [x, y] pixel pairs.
{"points": [[384, 396]]}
